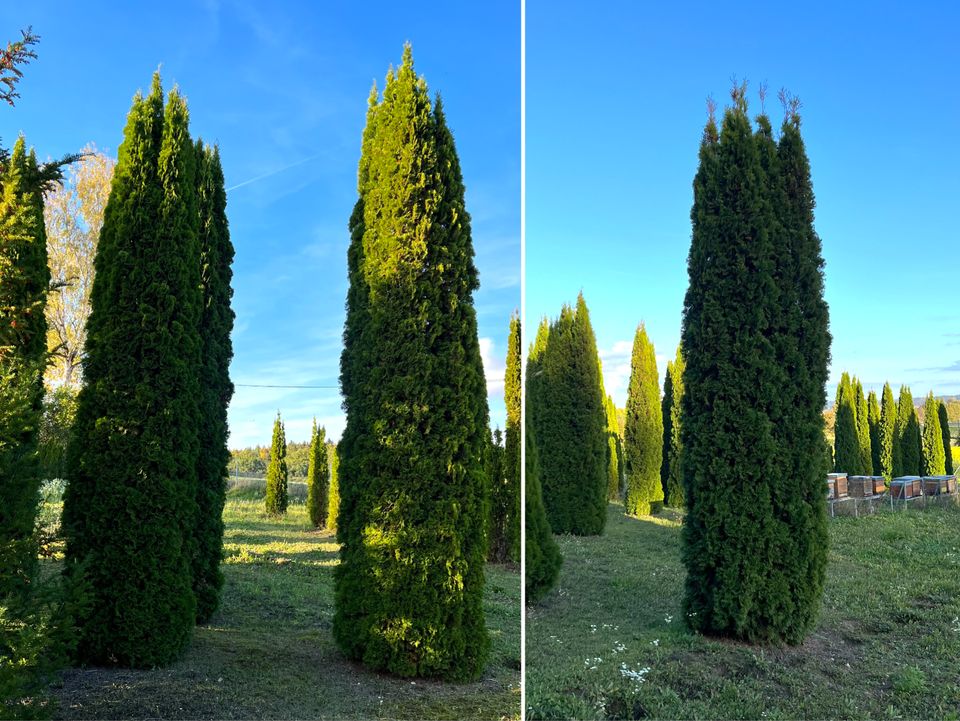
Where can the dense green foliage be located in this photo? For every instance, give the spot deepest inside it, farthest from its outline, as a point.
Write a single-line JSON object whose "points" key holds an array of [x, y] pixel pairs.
{"points": [[542, 557], [873, 421], [643, 430], [863, 429], [413, 488], [908, 434], [932, 459], [756, 343], [318, 478], [890, 462], [277, 496], [614, 451], [671, 470], [56, 427], [130, 504], [216, 389], [497, 520], [570, 422], [945, 430], [512, 390], [847, 456], [24, 278], [333, 498]]}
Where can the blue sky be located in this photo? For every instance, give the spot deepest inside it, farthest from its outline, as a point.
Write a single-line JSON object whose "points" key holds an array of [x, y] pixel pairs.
{"points": [[615, 108], [283, 87]]}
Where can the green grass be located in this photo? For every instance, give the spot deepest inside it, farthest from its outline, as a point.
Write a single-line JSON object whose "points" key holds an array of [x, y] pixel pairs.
{"points": [[887, 644], [268, 652]]}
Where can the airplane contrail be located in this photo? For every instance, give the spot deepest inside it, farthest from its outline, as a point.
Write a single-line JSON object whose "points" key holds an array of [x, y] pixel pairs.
{"points": [[273, 172]]}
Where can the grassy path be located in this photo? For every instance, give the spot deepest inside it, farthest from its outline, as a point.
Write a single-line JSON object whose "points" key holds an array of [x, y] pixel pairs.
{"points": [[610, 643], [269, 653]]}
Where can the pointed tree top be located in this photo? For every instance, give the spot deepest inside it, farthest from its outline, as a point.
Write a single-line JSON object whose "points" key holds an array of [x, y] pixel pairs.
{"points": [[408, 55]]}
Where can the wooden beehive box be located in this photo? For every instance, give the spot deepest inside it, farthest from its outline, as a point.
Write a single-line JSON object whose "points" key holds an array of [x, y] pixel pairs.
{"points": [[939, 485], [879, 485], [861, 486], [837, 485], [905, 487]]}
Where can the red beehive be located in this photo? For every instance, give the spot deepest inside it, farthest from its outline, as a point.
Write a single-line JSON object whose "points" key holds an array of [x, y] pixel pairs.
{"points": [[837, 485], [939, 485], [879, 484], [905, 487], [861, 486]]}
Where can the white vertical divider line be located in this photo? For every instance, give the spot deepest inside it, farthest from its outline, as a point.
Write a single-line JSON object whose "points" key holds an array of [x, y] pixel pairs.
{"points": [[523, 354]]}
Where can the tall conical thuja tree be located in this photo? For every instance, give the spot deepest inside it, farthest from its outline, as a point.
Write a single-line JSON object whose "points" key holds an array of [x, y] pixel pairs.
{"points": [[945, 430], [890, 462], [542, 557], [318, 477], [932, 457], [497, 521], [570, 424], [908, 434], [643, 430], [333, 498], [846, 444], [24, 280], [863, 429], [130, 504], [873, 420], [216, 389], [671, 470], [613, 449], [512, 388], [277, 496], [754, 547], [409, 587]]}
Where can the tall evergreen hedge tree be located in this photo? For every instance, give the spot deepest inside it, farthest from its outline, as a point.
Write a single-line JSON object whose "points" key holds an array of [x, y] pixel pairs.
{"points": [[613, 449], [863, 429], [216, 389], [24, 280], [413, 490], [570, 424], [512, 388], [945, 430], [873, 420], [908, 434], [333, 499], [754, 546], [889, 449], [542, 558], [847, 456], [318, 477], [130, 505], [671, 470], [932, 460], [643, 430], [499, 501], [277, 496]]}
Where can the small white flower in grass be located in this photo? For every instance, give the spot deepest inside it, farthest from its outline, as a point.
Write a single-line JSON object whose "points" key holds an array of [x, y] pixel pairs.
{"points": [[655, 642], [668, 618], [593, 628]]}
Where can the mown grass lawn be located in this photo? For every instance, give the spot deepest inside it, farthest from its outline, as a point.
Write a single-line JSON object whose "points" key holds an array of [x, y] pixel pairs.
{"points": [[269, 652], [609, 642]]}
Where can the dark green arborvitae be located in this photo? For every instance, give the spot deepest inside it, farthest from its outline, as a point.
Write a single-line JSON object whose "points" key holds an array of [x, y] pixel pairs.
{"points": [[908, 434], [846, 444], [568, 404], [24, 280], [499, 503], [671, 470], [756, 346], [873, 420], [318, 477], [130, 505], [511, 452], [333, 501], [863, 429], [932, 461], [216, 389], [414, 492], [542, 557], [277, 496], [614, 451], [643, 430], [945, 430], [890, 462]]}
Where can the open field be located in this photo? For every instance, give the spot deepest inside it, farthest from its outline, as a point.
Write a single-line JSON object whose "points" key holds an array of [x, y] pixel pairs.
{"points": [[610, 643], [269, 653]]}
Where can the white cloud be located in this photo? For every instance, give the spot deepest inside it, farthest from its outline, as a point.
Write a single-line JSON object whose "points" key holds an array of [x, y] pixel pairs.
{"points": [[494, 368]]}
